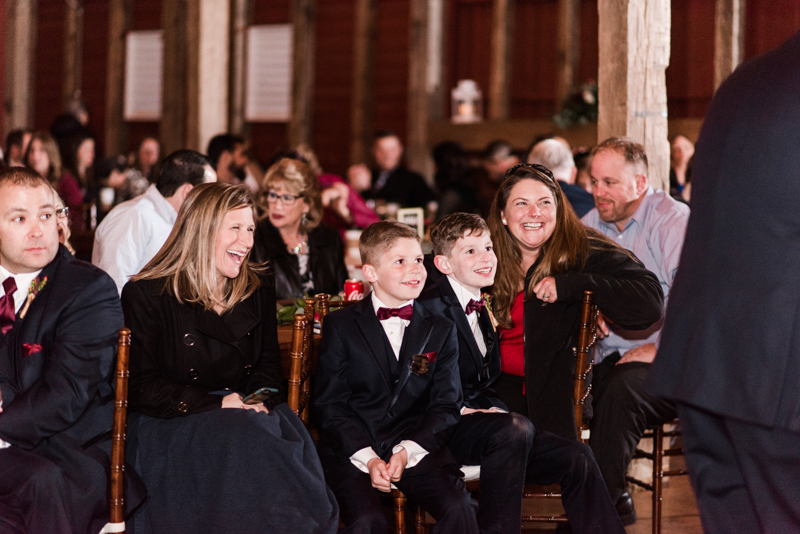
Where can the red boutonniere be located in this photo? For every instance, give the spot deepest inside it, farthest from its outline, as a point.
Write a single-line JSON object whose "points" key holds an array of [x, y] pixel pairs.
{"points": [[419, 362], [36, 286], [488, 299], [30, 348]]}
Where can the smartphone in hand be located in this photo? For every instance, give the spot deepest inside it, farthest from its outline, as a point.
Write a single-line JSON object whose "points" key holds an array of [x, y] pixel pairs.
{"points": [[260, 395]]}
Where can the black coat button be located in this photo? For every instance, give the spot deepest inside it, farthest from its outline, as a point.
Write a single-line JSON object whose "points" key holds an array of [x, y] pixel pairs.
{"points": [[248, 369], [383, 446], [183, 407], [193, 374], [390, 415], [188, 339]]}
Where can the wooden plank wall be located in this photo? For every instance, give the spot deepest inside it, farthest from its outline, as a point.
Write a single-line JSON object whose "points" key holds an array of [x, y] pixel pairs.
{"points": [[467, 55]]}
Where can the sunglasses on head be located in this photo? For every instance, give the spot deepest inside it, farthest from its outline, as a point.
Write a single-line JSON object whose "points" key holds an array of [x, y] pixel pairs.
{"points": [[535, 166]]}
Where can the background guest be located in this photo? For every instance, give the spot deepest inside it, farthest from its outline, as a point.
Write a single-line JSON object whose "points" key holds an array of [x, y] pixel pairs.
{"points": [[556, 156], [16, 144], [76, 179], [307, 257], [497, 158], [454, 184], [226, 456], [681, 151], [228, 156], [546, 259]]}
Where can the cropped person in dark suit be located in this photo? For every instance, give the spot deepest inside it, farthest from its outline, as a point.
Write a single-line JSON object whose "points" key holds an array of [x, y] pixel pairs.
{"points": [[730, 351], [203, 335], [388, 393], [503, 443], [391, 182], [306, 256], [59, 319]]}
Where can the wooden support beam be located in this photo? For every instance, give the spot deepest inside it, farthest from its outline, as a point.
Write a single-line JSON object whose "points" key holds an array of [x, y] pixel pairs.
{"points": [[116, 129], [73, 52], [502, 28], [728, 38], [424, 80], [363, 92], [19, 49], [634, 41], [303, 61], [211, 76], [241, 17], [569, 38], [172, 131]]}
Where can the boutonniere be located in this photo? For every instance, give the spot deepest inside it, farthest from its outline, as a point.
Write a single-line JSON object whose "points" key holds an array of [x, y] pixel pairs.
{"points": [[36, 286], [30, 348], [419, 362], [487, 297]]}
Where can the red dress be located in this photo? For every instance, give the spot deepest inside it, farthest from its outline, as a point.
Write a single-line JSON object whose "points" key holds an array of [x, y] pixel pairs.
{"points": [[512, 340]]}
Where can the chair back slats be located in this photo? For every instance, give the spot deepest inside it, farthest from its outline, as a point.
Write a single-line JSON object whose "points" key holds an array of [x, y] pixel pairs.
{"points": [[296, 366], [117, 501], [587, 336]]}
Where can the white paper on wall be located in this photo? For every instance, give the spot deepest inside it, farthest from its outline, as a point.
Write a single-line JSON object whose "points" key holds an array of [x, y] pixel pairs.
{"points": [[269, 73], [144, 55]]}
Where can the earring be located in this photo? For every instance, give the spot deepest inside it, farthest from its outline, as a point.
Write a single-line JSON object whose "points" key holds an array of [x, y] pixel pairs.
{"points": [[504, 221], [303, 219]]}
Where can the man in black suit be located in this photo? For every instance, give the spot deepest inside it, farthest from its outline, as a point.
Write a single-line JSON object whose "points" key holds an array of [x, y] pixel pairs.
{"points": [[502, 443], [730, 346], [58, 328], [390, 181], [388, 393]]}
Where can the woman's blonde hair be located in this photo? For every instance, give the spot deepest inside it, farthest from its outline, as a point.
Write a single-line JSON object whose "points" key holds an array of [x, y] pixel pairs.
{"points": [[297, 176], [566, 249], [187, 260], [51, 147]]}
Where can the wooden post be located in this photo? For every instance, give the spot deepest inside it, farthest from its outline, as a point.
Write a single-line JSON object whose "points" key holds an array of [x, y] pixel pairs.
{"points": [[363, 94], [241, 16], [73, 52], [172, 131], [728, 38], [116, 138], [569, 38], [634, 40], [424, 80], [502, 28], [303, 61], [20, 47], [211, 76]]}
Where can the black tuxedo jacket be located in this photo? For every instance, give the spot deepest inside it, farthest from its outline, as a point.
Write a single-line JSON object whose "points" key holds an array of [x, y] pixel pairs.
{"points": [[477, 373], [731, 338], [56, 371], [404, 187], [360, 404]]}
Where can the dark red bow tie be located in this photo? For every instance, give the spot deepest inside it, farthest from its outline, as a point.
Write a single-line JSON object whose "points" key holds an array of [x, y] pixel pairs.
{"points": [[475, 305], [404, 313], [7, 305]]}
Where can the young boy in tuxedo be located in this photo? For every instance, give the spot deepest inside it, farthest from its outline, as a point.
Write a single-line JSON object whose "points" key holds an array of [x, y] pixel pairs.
{"points": [[388, 393], [503, 444]]}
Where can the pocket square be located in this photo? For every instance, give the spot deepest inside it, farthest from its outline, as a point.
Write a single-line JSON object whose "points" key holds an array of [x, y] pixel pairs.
{"points": [[30, 348], [419, 362]]}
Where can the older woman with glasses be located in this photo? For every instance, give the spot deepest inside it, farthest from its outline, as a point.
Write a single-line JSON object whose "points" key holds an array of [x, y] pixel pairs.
{"points": [[546, 259], [306, 256]]}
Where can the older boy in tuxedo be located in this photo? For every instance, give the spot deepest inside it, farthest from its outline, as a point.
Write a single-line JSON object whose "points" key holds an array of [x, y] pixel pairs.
{"points": [[503, 444], [58, 327], [388, 393]]}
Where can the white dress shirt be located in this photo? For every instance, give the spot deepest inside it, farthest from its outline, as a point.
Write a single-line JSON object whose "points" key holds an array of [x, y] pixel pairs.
{"points": [[395, 328], [131, 234], [23, 282]]}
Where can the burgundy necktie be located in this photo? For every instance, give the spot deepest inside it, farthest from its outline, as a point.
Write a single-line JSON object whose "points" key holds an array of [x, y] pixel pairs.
{"points": [[475, 305], [7, 305], [404, 313]]}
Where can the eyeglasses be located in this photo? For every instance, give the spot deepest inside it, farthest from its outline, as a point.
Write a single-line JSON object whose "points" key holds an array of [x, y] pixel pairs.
{"points": [[62, 213], [535, 166], [287, 200]]}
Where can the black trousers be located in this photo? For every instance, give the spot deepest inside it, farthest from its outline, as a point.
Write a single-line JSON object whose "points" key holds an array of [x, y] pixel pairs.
{"points": [[568, 463], [36, 492], [622, 412], [746, 476], [441, 493], [501, 444]]}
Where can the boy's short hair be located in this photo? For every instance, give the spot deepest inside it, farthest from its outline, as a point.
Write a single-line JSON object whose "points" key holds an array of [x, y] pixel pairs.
{"points": [[380, 236], [446, 231]]}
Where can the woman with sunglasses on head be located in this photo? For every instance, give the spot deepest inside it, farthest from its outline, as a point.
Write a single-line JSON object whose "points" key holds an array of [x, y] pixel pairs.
{"points": [[307, 257], [546, 259]]}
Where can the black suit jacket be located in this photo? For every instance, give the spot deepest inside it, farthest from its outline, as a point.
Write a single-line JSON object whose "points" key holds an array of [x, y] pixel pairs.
{"points": [[181, 354], [477, 372], [404, 187], [731, 339], [58, 400], [360, 405]]}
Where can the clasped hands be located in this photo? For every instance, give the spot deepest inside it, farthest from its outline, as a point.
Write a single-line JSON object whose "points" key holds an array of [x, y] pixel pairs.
{"points": [[382, 474], [234, 400]]}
